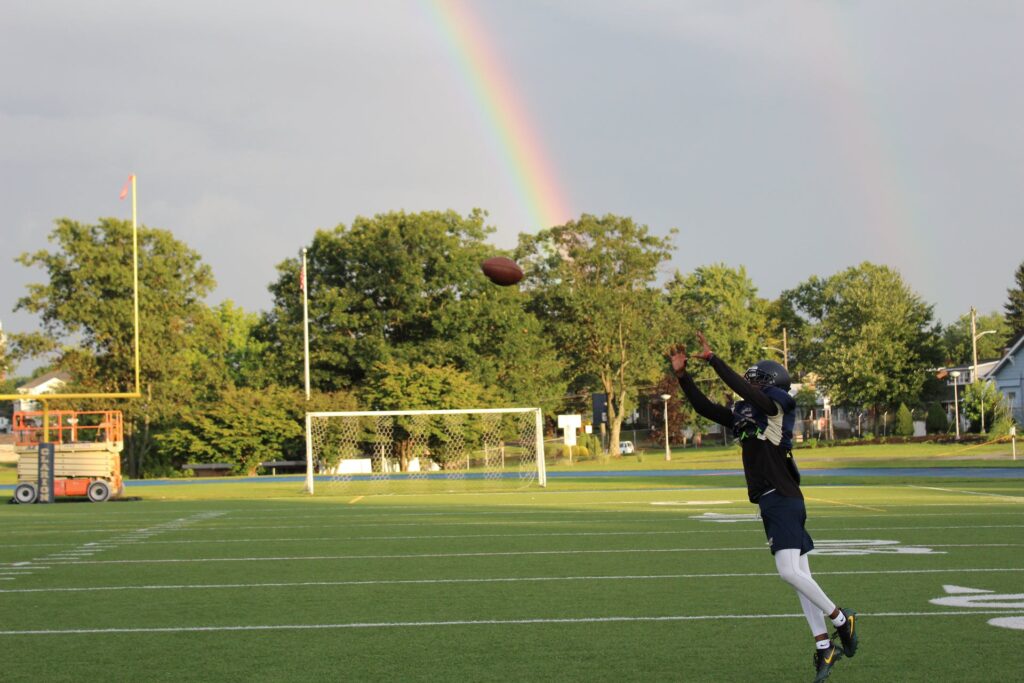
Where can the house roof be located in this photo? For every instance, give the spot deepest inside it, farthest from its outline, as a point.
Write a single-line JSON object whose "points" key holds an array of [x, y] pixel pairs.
{"points": [[39, 381], [1009, 354]]}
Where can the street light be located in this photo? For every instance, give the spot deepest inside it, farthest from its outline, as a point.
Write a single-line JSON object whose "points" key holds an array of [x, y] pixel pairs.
{"points": [[664, 401], [956, 402], [784, 351], [975, 336]]}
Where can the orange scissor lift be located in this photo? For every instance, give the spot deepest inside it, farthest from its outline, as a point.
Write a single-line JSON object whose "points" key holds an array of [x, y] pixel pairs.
{"points": [[87, 447]]}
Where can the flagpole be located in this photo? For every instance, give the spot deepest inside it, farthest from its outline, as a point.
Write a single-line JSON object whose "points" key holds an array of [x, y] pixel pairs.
{"points": [[305, 320], [135, 280]]}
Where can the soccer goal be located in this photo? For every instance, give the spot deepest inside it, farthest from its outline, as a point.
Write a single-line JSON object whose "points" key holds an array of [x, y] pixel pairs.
{"points": [[482, 448]]}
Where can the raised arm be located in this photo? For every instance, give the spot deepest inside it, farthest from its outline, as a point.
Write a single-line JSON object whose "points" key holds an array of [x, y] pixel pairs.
{"points": [[745, 389], [701, 403]]}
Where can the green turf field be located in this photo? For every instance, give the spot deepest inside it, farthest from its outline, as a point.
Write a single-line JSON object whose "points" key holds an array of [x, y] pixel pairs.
{"points": [[589, 581]]}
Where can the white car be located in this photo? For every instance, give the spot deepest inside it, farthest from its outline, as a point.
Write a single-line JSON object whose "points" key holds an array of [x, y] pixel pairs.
{"points": [[626, 447]]}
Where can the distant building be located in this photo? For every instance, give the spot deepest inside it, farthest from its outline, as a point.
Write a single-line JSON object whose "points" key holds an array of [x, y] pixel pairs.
{"points": [[1008, 376], [48, 383]]}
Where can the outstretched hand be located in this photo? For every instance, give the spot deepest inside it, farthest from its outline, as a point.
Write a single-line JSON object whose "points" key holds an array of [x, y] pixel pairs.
{"points": [[677, 356], [705, 348]]}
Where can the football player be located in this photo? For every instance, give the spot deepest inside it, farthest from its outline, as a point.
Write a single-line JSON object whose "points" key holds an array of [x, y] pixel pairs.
{"points": [[762, 421]]}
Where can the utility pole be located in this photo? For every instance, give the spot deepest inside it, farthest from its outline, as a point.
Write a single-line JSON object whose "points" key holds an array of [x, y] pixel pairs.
{"points": [[785, 350], [974, 345]]}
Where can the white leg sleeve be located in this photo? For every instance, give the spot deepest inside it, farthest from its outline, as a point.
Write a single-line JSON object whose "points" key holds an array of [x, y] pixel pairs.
{"points": [[796, 571], [815, 618]]}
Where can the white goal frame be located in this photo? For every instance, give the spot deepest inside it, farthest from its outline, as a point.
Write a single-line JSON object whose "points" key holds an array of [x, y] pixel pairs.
{"points": [[542, 479]]}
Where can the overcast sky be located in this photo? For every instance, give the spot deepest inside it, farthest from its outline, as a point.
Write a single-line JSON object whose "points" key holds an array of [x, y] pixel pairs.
{"points": [[792, 138]]}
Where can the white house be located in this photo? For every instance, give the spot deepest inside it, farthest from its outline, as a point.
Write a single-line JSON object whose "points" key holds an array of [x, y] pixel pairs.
{"points": [[48, 383]]}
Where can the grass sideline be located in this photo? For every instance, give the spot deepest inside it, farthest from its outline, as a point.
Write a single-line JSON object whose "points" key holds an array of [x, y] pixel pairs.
{"points": [[586, 580]]}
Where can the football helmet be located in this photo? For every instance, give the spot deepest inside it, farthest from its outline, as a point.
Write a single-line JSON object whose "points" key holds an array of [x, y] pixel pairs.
{"points": [[768, 373]]}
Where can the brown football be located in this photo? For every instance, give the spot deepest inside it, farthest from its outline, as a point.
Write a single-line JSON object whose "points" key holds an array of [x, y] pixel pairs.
{"points": [[502, 271]]}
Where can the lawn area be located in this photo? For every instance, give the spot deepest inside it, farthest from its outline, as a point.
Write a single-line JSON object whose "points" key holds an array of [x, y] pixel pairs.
{"points": [[585, 580], [727, 457]]}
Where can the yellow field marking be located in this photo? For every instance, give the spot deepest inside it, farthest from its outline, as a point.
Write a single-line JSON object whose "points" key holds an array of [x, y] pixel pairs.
{"points": [[356, 499], [998, 439], [852, 505]]}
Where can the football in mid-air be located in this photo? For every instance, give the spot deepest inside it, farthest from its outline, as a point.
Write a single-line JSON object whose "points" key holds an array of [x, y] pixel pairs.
{"points": [[502, 271]]}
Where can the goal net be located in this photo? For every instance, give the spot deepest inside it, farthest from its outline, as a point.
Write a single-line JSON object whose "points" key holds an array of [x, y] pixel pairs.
{"points": [[412, 450]]}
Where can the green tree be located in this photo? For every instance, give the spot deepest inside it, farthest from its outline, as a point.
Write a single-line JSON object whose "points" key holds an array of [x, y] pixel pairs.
{"points": [[398, 386], [243, 427], [723, 303], [982, 396], [403, 288], [243, 354], [871, 338], [956, 339], [5, 364], [592, 287], [678, 414], [1014, 306], [87, 329], [904, 421], [937, 422]]}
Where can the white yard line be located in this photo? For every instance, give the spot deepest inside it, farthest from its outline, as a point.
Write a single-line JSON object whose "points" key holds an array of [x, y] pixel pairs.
{"points": [[509, 579], [514, 553], [554, 534], [1015, 499], [486, 622], [668, 514]]}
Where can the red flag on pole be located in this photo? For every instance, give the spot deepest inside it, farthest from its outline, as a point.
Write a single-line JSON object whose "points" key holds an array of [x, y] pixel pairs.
{"points": [[302, 278], [127, 186]]}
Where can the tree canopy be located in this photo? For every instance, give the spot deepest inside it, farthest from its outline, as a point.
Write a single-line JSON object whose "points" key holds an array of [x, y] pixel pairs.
{"points": [[872, 338], [402, 317], [1014, 306], [405, 289], [592, 286], [956, 339]]}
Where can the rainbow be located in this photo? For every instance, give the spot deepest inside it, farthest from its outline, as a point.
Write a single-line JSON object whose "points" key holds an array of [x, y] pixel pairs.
{"points": [[504, 113]]}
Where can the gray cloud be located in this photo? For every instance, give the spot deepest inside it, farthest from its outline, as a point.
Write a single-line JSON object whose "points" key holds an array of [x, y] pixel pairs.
{"points": [[791, 137]]}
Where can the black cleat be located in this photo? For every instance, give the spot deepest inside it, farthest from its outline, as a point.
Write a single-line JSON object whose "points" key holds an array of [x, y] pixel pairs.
{"points": [[848, 632], [824, 660]]}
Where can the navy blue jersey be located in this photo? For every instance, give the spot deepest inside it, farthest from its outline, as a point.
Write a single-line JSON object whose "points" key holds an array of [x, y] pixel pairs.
{"points": [[777, 429], [763, 423]]}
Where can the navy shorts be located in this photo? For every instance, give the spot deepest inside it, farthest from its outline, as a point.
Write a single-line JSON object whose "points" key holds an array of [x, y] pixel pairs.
{"points": [[784, 520]]}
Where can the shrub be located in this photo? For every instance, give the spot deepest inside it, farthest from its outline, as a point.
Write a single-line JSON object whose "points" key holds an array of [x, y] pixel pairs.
{"points": [[936, 421], [904, 422]]}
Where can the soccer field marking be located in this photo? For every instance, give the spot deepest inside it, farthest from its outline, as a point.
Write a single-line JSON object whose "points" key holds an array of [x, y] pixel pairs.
{"points": [[513, 553], [840, 503], [484, 622], [1003, 496], [486, 580]]}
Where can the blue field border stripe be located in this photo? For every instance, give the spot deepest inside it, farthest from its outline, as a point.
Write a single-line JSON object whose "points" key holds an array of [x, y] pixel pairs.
{"points": [[929, 472]]}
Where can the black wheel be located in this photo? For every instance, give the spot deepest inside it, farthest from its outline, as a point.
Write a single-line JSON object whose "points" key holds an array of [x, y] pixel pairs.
{"points": [[99, 491], [25, 494]]}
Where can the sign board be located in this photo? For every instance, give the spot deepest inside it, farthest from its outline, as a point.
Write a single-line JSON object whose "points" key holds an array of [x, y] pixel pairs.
{"points": [[569, 424]]}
